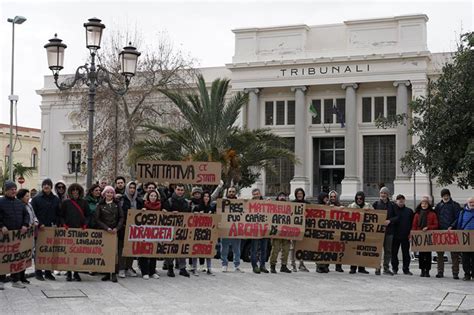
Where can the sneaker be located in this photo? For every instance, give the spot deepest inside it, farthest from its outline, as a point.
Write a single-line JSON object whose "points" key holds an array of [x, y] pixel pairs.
{"points": [[339, 269], [49, 276], [455, 276], [388, 273], [155, 276], [24, 281], [303, 268], [131, 273], [203, 269], [106, 277], [121, 274], [319, 270], [362, 270], [39, 277], [284, 269], [146, 277], [210, 273], [69, 276], [439, 275], [18, 285], [256, 270], [293, 268], [466, 278], [352, 271], [408, 273], [184, 273], [77, 277], [377, 272], [170, 272], [224, 268], [194, 273], [264, 270], [114, 277], [237, 269]]}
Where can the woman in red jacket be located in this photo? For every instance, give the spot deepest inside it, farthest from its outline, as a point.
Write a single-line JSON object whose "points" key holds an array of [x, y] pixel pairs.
{"points": [[148, 265], [425, 219]]}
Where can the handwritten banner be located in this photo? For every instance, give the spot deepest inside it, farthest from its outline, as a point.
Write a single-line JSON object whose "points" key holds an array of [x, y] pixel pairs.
{"points": [[174, 172], [76, 250], [342, 235], [16, 251], [261, 219], [170, 235], [442, 241]]}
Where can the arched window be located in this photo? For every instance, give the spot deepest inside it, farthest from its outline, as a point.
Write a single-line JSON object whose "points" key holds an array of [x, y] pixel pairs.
{"points": [[34, 157]]}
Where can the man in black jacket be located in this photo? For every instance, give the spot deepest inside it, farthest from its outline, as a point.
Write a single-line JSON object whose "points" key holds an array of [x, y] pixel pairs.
{"points": [[447, 210], [177, 203], [46, 206], [385, 204], [13, 216], [300, 196], [401, 235]]}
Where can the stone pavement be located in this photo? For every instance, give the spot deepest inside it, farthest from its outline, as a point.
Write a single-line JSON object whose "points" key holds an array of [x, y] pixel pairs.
{"points": [[247, 293]]}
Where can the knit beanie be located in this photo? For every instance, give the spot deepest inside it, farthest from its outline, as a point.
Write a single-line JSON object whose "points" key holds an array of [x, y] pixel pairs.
{"points": [[385, 190], [196, 190]]}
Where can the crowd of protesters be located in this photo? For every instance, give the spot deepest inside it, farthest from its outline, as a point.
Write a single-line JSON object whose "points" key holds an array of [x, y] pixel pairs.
{"points": [[105, 206]]}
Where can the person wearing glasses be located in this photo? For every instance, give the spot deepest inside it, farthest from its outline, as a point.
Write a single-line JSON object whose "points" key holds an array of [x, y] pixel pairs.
{"points": [[60, 190]]}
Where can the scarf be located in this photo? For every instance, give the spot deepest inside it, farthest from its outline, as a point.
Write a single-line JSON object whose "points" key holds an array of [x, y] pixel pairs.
{"points": [[155, 205], [423, 218]]}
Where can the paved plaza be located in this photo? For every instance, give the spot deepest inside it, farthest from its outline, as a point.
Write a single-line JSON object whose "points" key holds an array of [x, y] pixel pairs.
{"points": [[246, 293]]}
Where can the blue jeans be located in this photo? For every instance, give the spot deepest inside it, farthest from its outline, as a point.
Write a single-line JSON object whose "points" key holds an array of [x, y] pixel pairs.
{"points": [[262, 245], [195, 262], [235, 243]]}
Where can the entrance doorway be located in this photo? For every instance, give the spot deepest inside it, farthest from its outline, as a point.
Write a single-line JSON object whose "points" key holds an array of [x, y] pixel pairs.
{"points": [[331, 179], [379, 163]]}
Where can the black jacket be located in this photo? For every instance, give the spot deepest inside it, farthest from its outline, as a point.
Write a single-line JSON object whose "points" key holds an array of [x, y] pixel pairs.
{"points": [[447, 213], [389, 206], [405, 219], [71, 216], [13, 214], [210, 208], [176, 203], [46, 208], [109, 216]]}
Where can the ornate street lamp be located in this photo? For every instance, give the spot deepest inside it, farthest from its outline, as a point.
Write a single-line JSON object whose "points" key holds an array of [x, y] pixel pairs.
{"points": [[91, 75]]}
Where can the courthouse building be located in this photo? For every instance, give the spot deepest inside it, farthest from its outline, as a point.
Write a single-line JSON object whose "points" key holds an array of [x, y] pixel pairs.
{"points": [[322, 88]]}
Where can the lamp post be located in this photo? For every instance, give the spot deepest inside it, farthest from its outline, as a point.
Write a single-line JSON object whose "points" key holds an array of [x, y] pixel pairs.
{"points": [[76, 166], [91, 75], [13, 98]]}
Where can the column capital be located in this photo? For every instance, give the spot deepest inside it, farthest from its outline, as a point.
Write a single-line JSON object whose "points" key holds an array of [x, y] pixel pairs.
{"points": [[302, 88], [254, 90], [405, 82], [346, 85]]}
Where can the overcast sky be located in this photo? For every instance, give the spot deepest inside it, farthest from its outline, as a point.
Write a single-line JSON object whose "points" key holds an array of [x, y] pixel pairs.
{"points": [[202, 28]]}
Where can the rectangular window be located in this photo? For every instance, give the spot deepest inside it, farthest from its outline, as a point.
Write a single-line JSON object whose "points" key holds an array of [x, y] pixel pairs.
{"points": [[341, 110], [75, 156], [291, 113], [339, 157], [316, 112], [328, 111], [378, 111], [280, 112], [366, 109], [391, 106], [268, 113], [331, 151], [327, 157], [283, 172]]}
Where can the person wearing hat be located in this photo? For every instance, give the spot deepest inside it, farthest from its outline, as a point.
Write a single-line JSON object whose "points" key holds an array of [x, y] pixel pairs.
{"points": [[385, 204], [280, 245], [13, 216], [46, 206], [401, 235], [447, 210]]}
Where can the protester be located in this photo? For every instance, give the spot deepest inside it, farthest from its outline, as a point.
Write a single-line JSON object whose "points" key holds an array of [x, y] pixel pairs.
{"points": [[280, 245], [109, 217], [93, 198], [196, 197], [74, 214], [130, 200], [447, 210], [258, 245], [323, 199], [425, 219], [299, 197], [384, 203], [177, 203], [13, 216], [235, 243], [148, 265], [103, 183], [60, 190], [149, 187], [334, 201], [24, 196], [359, 203], [33, 193], [46, 206], [119, 187], [206, 206], [401, 235], [465, 221]]}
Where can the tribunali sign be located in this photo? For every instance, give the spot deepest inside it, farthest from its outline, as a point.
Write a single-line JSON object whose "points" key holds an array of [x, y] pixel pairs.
{"points": [[323, 70]]}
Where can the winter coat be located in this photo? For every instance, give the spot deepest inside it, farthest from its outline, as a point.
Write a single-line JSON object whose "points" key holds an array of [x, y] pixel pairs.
{"points": [[31, 213], [403, 226], [432, 221], [389, 207], [92, 203], [465, 219], [356, 206], [13, 214], [109, 215], [175, 203], [46, 208], [62, 196], [127, 200], [71, 216], [447, 213], [209, 208]]}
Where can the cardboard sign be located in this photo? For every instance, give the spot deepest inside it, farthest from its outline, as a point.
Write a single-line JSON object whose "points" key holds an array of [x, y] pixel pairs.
{"points": [[254, 219], [76, 250], [343, 236], [174, 172], [16, 251], [442, 241], [170, 235]]}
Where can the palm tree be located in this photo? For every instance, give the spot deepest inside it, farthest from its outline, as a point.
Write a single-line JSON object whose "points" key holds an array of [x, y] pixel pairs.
{"points": [[210, 134]]}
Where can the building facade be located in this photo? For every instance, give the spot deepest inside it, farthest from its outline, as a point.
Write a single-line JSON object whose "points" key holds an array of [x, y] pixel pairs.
{"points": [[322, 88]]}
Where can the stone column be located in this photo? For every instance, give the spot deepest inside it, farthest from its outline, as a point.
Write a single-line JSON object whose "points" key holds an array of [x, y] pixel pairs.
{"points": [[253, 110], [351, 182], [402, 130], [301, 178]]}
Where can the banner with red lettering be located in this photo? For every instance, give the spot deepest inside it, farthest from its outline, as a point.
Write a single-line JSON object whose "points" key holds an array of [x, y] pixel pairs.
{"points": [[16, 250], [442, 241], [343, 236], [76, 250], [175, 172], [254, 219], [170, 235]]}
